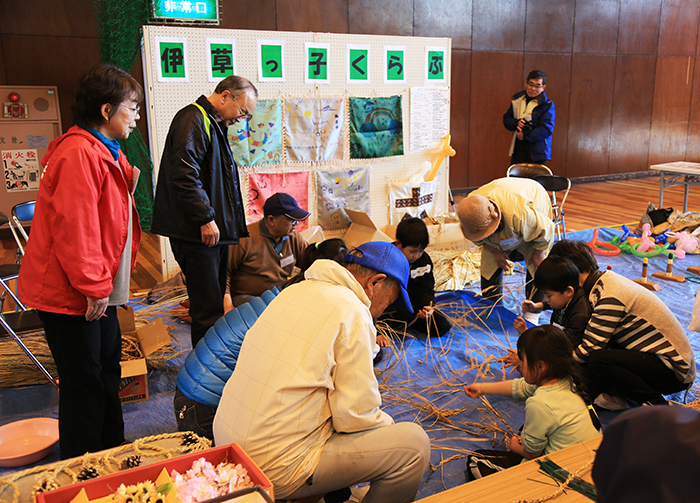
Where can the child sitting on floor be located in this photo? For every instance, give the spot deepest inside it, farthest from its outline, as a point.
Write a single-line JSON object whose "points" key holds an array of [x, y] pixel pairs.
{"points": [[558, 279], [558, 413], [412, 239]]}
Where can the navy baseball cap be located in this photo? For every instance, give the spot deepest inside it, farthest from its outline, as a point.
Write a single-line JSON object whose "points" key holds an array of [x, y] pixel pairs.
{"points": [[386, 258], [282, 203]]}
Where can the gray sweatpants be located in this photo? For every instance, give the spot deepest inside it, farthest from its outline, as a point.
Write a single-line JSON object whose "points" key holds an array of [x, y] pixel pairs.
{"points": [[392, 458]]}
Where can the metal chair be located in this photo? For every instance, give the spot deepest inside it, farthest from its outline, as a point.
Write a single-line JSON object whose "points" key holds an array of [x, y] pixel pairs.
{"points": [[22, 212], [551, 183], [554, 184], [526, 170], [23, 319]]}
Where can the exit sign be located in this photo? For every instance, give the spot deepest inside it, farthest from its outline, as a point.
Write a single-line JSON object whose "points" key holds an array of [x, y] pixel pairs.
{"points": [[184, 11]]}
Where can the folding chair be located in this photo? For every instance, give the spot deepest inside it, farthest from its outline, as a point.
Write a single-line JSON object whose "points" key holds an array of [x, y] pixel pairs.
{"points": [[554, 184], [23, 319], [551, 183], [22, 212], [526, 170]]}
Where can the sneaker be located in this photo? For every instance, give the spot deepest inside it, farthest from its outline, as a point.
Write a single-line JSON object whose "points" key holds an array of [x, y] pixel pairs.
{"points": [[610, 402], [533, 318]]}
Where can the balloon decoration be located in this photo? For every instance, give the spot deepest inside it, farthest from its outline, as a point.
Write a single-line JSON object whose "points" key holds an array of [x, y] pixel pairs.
{"points": [[603, 247]]}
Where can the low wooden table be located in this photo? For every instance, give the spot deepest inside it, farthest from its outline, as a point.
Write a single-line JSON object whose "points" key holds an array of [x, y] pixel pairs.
{"points": [[519, 482], [679, 173]]}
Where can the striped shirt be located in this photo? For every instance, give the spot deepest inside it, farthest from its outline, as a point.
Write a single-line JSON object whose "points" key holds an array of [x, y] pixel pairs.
{"points": [[627, 316]]}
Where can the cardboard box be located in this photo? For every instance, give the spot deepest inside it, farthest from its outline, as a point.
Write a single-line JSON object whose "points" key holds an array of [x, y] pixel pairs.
{"points": [[133, 386], [362, 230], [107, 484]]}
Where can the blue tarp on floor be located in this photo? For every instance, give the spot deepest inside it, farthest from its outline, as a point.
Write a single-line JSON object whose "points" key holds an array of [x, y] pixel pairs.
{"points": [[421, 382]]}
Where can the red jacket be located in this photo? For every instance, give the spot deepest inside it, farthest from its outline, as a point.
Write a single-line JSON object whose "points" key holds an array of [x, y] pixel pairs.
{"points": [[79, 229]]}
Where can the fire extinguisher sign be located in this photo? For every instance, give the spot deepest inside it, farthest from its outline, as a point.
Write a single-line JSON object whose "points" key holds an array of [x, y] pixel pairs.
{"points": [[21, 170]]}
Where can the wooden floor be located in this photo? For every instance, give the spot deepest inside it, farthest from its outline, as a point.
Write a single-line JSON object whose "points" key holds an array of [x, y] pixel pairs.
{"points": [[589, 205]]}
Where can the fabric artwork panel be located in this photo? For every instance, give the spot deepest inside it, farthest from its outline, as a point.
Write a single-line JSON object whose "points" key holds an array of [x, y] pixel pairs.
{"points": [[263, 185], [415, 200], [314, 129], [340, 189], [376, 127], [258, 141]]}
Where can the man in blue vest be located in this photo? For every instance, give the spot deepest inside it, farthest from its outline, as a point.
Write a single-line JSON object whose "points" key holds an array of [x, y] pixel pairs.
{"points": [[198, 202], [531, 118]]}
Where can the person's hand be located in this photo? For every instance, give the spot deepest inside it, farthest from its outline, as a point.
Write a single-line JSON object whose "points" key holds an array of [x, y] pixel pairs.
{"points": [[426, 312], [520, 325], [382, 340], [473, 390], [210, 234], [135, 179], [537, 257], [501, 259], [512, 360], [516, 444], [228, 303], [532, 307], [95, 308]]}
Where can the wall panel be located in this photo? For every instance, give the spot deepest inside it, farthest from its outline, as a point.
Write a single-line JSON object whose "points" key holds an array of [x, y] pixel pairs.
{"points": [[498, 26], [639, 26], [67, 18], [459, 117], [258, 15], [632, 109], [672, 98], [549, 25], [313, 15], [444, 18], [558, 70], [595, 26], [388, 17], [30, 66], [489, 141], [679, 28], [590, 111], [3, 74], [693, 143]]}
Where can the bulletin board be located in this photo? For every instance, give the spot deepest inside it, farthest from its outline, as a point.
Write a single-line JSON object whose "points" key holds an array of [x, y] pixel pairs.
{"points": [[424, 105]]}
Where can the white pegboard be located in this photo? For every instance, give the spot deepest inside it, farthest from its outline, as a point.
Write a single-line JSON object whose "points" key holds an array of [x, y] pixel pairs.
{"points": [[165, 99]]}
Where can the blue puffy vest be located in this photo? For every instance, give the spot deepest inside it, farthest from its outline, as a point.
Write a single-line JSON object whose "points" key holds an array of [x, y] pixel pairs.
{"points": [[209, 365]]}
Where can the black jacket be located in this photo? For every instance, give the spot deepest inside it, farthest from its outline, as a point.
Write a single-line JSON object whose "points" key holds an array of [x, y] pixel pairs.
{"points": [[198, 180], [421, 283], [574, 317]]}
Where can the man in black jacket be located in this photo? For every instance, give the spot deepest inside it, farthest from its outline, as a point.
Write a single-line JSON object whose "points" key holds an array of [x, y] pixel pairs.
{"points": [[198, 202]]}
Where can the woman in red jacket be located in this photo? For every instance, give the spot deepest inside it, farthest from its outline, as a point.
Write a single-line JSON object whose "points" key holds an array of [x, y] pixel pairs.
{"points": [[79, 259]]}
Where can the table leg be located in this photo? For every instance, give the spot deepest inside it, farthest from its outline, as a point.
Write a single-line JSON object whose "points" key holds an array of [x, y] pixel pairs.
{"points": [[685, 195], [662, 177]]}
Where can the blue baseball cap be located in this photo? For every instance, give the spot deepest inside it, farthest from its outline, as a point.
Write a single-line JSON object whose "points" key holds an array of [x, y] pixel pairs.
{"points": [[386, 258], [282, 203]]}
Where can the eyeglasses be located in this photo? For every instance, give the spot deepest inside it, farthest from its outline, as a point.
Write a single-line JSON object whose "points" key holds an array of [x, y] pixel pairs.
{"points": [[134, 110], [534, 86], [241, 116]]}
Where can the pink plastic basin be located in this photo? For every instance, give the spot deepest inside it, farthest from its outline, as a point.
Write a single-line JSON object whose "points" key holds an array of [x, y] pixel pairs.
{"points": [[27, 441]]}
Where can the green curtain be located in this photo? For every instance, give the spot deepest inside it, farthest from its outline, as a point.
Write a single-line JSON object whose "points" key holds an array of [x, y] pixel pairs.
{"points": [[119, 32]]}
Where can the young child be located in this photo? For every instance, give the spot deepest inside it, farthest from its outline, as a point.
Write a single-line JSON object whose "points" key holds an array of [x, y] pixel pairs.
{"points": [[331, 249], [557, 409], [558, 279], [412, 239]]}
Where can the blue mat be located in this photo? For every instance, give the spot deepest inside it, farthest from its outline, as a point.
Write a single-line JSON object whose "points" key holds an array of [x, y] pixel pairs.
{"points": [[423, 377]]}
